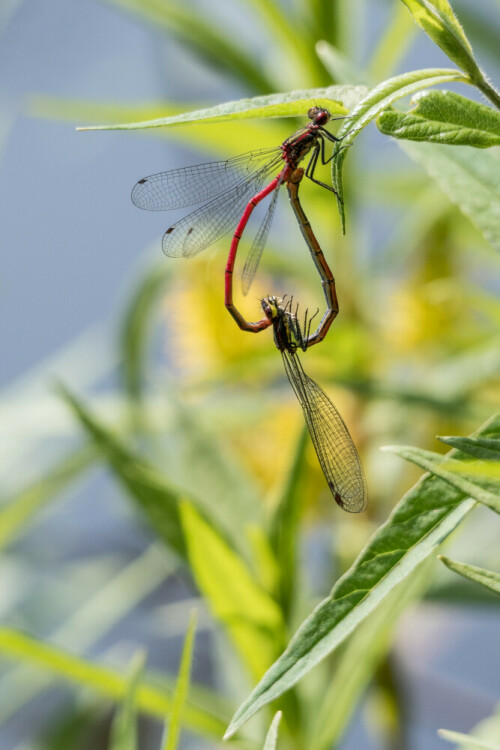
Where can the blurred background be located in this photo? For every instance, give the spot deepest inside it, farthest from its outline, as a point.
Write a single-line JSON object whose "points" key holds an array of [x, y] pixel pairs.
{"points": [[88, 299]]}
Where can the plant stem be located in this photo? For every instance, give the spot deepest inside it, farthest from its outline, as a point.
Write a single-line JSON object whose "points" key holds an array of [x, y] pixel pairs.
{"points": [[489, 91]]}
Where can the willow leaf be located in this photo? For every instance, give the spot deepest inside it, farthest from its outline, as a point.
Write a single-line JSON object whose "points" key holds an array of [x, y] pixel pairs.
{"points": [[373, 104], [486, 578], [444, 117], [418, 524], [337, 99]]}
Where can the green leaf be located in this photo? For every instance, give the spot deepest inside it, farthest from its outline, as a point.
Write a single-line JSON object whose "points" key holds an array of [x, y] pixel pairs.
{"points": [[486, 578], [154, 495], [135, 327], [438, 20], [272, 735], [451, 471], [104, 681], [124, 727], [467, 741], [357, 663], [201, 36], [172, 728], [337, 99], [418, 524], [251, 617], [91, 622], [444, 117], [470, 178], [372, 105], [284, 531], [19, 511], [483, 448]]}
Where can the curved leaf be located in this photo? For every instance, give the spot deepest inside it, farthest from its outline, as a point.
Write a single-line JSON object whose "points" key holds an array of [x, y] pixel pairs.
{"points": [[272, 735], [486, 578], [420, 522], [454, 472], [337, 99], [444, 117], [373, 104]]}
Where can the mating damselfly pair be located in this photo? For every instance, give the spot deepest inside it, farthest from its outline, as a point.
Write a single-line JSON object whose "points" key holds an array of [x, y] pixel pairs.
{"points": [[230, 190]]}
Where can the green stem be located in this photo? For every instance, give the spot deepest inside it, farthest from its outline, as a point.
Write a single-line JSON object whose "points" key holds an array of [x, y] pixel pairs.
{"points": [[489, 91]]}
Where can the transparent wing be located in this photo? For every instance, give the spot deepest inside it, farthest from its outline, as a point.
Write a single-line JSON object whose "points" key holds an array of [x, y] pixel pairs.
{"points": [[188, 186], [255, 254], [334, 447], [207, 224]]}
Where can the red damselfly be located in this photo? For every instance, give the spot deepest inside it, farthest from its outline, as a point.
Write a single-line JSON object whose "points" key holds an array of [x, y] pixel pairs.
{"points": [[334, 447], [231, 189], [327, 278]]}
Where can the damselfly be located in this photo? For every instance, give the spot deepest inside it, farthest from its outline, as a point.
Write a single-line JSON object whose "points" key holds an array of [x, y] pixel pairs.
{"points": [[231, 189], [332, 442], [327, 279]]}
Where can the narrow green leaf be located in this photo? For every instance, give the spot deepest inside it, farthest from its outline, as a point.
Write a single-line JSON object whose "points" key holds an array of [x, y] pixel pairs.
{"points": [[451, 471], [203, 37], [467, 741], [251, 617], [444, 117], [136, 326], [90, 622], [284, 529], [483, 448], [373, 104], [158, 499], [19, 511], [172, 728], [272, 735], [486, 578], [420, 522], [470, 178], [438, 20], [124, 727], [337, 99], [104, 681], [357, 663]]}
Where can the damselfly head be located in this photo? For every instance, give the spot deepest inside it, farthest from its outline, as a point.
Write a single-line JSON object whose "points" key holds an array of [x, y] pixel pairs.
{"points": [[271, 306], [319, 115]]}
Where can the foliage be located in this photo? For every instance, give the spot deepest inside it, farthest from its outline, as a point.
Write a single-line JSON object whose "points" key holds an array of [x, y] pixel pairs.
{"points": [[203, 441]]}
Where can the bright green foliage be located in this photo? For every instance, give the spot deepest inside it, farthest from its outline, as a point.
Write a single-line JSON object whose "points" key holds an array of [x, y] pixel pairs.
{"points": [[172, 728], [151, 698], [418, 524], [455, 471], [373, 104], [479, 575], [202, 431], [251, 617], [444, 117], [124, 728], [337, 99]]}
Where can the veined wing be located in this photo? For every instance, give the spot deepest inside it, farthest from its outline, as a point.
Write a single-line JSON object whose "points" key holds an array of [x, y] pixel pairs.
{"points": [[334, 447], [188, 186], [207, 224], [255, 253]]}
